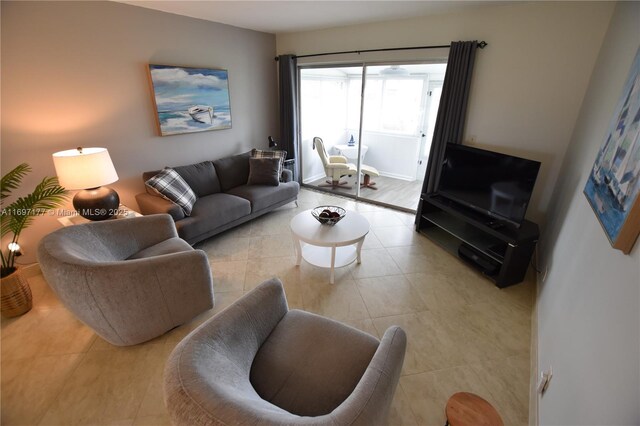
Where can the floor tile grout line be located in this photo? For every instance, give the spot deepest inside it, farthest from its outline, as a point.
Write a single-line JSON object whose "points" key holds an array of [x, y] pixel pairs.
{"points": [[366, 307], [364, 303], [465, 364], [418, 292], [142, 399], [83, 355], [403, 314], [413, 414]]}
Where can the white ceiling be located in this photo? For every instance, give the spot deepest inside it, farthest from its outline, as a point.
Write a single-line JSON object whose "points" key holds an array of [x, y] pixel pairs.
{"points": [[303, 15]]}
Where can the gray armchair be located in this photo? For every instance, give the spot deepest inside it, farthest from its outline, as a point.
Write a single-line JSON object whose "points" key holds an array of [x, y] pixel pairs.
{"points": [[257, 362], [130, 280]]}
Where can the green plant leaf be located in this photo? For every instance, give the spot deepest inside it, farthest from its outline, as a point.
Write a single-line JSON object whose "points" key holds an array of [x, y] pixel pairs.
{"points": [[12, 180], [47, 195], [14, 218]]}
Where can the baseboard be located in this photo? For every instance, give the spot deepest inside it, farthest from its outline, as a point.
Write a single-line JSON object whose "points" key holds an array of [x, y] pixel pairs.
{"points": [[314, 178], [396, 176]]}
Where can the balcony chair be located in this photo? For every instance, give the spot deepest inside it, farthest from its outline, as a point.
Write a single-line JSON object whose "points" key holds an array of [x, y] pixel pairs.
{"points": [[336, 166], [130, 280], [257, 362]]}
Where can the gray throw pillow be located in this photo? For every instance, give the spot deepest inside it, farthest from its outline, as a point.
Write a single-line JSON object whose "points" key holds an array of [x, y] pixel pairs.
{"points": [[281, 154], [264, 171]]}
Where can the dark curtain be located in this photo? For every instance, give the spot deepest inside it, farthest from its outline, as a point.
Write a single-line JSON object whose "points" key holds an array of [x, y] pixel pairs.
{"points": [[288, 96], [452, 110]]}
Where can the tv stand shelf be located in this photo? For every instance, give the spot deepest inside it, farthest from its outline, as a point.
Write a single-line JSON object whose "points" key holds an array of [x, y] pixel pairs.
{"points": [[501, 252]]}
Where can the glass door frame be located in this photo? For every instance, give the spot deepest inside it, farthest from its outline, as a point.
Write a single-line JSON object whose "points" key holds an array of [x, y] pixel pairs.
{"points": [[427, 132], [364, 66], [300, 150]]}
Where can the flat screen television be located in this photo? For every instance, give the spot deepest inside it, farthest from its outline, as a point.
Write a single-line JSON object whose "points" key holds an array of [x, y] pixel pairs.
{"points": [[494, 184]]}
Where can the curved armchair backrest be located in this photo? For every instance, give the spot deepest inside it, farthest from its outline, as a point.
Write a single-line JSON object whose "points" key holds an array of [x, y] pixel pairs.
{"points": [[208, 372], [108, 241], [322, 152], [127, 301]]}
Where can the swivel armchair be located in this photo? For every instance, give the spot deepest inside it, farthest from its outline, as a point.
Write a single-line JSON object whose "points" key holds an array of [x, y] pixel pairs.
{"points": [[130, 280], [257, 362]]}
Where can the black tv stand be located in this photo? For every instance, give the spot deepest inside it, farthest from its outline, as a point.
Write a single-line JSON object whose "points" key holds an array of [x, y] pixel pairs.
{"points": [[499, 250], [494, 224]]}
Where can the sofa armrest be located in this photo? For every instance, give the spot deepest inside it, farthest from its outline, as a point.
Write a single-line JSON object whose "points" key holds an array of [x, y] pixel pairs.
{"points": [[153, 204], [287, 175], [337, 159]]}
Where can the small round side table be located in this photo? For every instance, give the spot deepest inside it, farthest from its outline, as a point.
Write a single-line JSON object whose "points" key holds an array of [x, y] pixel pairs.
{"points": [[467, 409]]}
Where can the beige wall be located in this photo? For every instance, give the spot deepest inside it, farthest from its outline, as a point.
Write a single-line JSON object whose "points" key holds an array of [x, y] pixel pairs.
{"points": [[527, 85], [74, 74], [589, 305]]}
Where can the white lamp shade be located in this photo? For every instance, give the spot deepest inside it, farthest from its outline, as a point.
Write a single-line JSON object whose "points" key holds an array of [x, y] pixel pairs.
{"points": [[85, 168]]}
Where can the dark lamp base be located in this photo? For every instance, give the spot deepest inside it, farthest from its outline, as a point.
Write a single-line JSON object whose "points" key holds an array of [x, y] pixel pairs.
{"points": [[96, 203]]}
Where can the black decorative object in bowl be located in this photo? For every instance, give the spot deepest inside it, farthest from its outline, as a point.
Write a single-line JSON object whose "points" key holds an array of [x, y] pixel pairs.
{"points": [[328, 215]]}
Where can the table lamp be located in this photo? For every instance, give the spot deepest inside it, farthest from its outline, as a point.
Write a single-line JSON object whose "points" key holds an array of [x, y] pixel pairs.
{"points": [[272, 142], [88, 169]]}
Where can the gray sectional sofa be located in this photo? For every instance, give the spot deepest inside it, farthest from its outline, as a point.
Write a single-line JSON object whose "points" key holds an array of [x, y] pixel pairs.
{"points": [[224, 198]]}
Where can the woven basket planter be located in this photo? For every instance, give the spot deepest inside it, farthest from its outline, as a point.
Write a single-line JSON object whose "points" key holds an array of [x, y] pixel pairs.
{"points": [[16, 296]]}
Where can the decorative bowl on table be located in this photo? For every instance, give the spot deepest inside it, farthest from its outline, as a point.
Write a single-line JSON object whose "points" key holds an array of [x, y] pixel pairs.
{"points": [[328, 215]]}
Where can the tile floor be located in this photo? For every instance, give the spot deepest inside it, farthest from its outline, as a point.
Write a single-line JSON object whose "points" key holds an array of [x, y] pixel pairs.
{"points": [[464, 334]]}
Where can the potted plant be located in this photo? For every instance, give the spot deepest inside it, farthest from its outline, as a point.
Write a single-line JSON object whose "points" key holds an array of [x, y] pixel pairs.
{"points": [[16, 217]]}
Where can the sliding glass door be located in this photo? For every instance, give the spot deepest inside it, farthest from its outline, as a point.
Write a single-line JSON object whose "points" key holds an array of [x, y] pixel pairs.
{"points": [[381, 135], [329, 110]]}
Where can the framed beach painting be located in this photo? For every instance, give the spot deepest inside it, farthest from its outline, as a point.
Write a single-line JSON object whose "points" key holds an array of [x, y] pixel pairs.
{"points": [[613, 186], [189, 100]]}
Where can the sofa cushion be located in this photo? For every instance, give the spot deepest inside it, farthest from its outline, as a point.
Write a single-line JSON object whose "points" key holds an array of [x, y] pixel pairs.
{"points": [[211, 212], [201, 177], [263, 196], [264, 171], [309, 364], [233, 171], [172, 187], [281, 154], [168, 246]]}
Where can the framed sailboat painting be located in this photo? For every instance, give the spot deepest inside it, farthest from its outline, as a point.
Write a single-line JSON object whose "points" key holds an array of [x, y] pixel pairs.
{"points": [[613, 186], [189, 100]]}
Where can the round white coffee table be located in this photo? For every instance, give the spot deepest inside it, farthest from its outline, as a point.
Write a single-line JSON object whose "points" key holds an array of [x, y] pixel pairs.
{"points": [[329, 246]]}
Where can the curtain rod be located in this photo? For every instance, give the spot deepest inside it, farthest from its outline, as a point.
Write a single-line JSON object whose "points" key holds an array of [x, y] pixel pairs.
{"points": [[481, 45]]}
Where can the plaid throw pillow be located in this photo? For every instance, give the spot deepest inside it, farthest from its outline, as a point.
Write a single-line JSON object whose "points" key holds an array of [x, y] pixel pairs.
{"points": [[281, 154], [171, 186]]}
